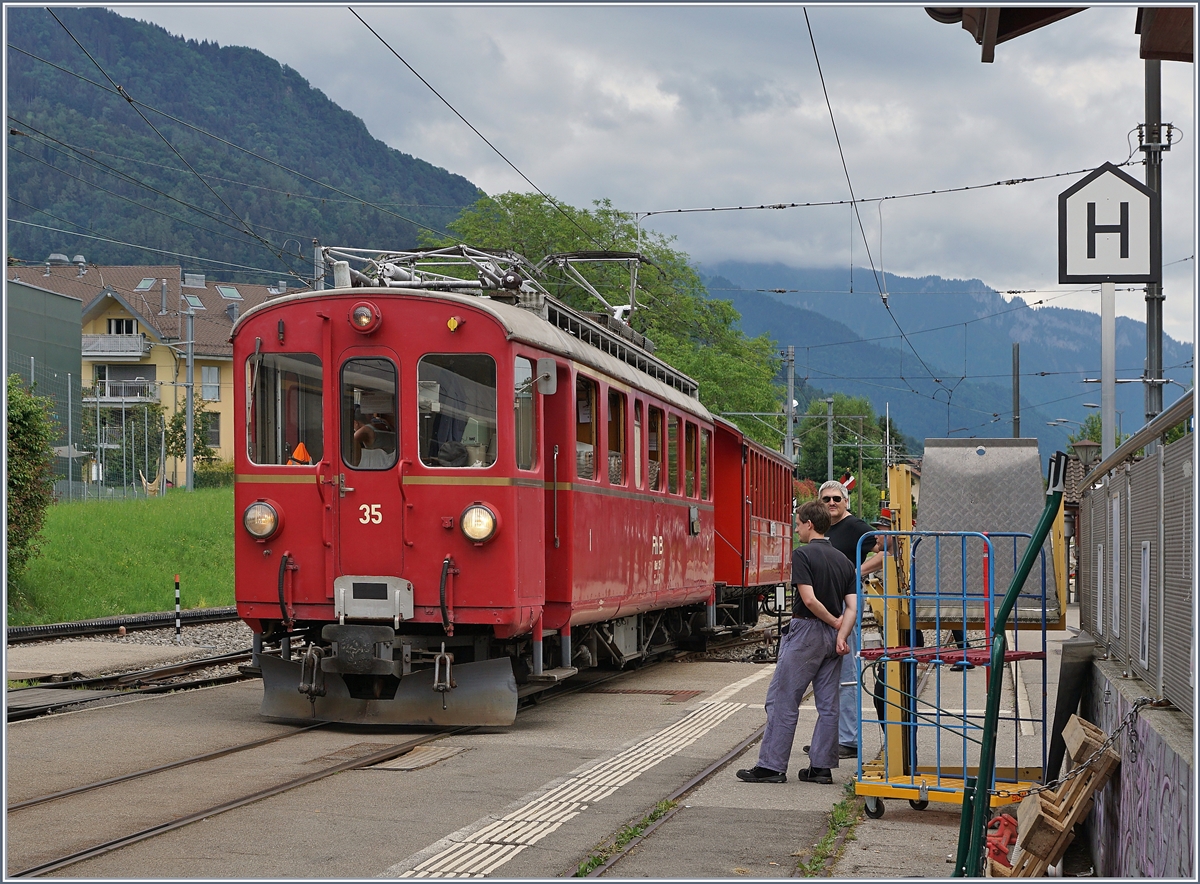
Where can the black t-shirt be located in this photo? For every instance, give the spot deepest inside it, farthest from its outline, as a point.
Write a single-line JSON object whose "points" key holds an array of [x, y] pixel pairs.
{"points": [[844, 537], [828, 572]]}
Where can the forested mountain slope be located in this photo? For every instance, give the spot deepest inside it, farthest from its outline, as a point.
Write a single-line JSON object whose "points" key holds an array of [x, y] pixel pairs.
{"points": [[84, 160]]}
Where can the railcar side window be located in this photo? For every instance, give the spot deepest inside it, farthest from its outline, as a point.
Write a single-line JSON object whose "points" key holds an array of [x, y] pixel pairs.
{"points": [[586, 420], [689, 460], [456, 408], [637, 444], [655, 445], [523, 410], [705, 441], [616, 438], [673, 455], [285, 421], [369, 414]]}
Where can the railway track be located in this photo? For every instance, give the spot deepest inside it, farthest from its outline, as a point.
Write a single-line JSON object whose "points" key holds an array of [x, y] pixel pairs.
{"points": [[393, 751], [53, 696], [110, 625]]}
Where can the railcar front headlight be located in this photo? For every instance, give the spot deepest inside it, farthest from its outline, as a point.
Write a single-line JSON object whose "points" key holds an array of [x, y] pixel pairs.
{"points": [[365, 317], [478, 523], [261, 520]]}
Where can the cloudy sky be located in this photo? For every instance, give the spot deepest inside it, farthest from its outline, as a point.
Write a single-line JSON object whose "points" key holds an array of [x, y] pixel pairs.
{"points": [[665, 107]]}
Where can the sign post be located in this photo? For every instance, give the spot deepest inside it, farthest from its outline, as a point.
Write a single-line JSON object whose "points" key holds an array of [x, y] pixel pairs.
{"points": [[1108, 233]]}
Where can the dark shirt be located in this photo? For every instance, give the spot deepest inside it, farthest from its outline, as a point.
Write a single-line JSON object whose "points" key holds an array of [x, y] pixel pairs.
{"points": [[844, 537], [827, 571]]}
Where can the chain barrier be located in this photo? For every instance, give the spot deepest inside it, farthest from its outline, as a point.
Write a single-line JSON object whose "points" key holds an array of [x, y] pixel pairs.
{"points": [[1132, 749]]}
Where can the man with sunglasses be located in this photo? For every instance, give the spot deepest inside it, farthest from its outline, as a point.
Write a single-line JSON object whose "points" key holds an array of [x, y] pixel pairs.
{"points": [[822, 618], [844, 531]]}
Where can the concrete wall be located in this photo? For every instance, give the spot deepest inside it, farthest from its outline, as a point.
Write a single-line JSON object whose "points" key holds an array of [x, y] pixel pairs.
{"points": [[1142, 821]]}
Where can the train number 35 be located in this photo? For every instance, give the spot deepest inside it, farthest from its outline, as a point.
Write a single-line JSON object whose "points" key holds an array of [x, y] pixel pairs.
{"points": [[371, 514]]}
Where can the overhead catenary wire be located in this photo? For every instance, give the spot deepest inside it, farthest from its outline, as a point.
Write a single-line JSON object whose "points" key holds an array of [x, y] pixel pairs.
{"points": [[858, 215], [119, 242], [126, 199], [231, 144], [82, 155], [814, 204], [471, 126], [124, 94]]}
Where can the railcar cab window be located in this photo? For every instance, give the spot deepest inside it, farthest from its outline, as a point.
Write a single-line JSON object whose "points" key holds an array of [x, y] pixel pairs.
{"points": [[616, 438], [368, 408], [672, 455], [705, 441], [655, 445], [586, 421], [286, 423], [523, 411], [456, 410]]}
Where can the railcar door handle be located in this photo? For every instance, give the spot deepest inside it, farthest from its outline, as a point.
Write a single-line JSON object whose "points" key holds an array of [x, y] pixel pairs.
{"points": [[404, 465], [554, 485], [342, 486]]}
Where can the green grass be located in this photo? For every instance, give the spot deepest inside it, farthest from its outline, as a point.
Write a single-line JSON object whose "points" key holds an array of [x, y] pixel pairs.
{"points": [[600, 856], [843, 816], [105, 558]]}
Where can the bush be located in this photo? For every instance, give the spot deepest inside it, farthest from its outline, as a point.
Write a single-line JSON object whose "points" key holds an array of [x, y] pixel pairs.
{"points": [[212, 475], [30, 472]]}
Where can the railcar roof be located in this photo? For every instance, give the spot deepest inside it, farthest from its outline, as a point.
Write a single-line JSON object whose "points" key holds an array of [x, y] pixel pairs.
{"points": [[521, 325]]}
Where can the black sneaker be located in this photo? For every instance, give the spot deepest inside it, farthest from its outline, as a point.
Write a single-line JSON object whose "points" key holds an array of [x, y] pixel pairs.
{"points": [[758, 774], [821, 775]]}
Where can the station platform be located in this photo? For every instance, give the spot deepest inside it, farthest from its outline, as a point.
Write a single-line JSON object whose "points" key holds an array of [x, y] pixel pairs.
{"points": [[765, 830]]}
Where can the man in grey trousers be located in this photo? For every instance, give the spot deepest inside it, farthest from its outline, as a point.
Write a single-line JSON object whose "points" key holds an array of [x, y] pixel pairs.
{"points": [[810, 653]]}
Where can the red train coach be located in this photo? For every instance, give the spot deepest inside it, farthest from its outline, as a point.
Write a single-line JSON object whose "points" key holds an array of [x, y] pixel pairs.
{"points": [[753, 521], [449, 487]]}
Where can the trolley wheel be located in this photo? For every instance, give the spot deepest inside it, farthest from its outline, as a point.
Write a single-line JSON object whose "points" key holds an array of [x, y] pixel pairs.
{"points": [[874, 807], [918, 805]]}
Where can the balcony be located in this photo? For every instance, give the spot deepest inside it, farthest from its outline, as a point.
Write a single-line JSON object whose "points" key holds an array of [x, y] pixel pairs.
{"points": [[115, 347], [121, 392]]}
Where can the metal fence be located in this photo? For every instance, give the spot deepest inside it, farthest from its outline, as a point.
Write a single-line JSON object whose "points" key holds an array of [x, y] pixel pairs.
{"points": [[1135, 543], [102, 449]]}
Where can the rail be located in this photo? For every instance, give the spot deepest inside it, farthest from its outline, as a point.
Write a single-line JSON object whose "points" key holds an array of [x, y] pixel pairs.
{"points": [[1182, 409], [103, 625]]}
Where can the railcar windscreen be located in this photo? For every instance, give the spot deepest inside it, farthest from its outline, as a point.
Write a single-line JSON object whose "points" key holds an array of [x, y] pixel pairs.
{"points": [[369, 414], [286, 422], [456, 409]]}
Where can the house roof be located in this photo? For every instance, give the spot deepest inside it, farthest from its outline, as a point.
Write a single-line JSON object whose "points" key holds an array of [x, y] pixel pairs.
{"points": [[100, 286]]}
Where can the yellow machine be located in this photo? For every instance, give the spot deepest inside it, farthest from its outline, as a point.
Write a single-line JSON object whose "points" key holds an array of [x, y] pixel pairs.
{"points": [[903, 673]]}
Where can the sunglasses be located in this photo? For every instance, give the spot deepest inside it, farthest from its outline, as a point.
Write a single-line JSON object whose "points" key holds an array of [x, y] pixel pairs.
{"points": [[831, 499]]}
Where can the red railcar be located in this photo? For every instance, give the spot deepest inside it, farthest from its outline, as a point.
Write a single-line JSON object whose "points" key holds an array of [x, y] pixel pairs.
{"points": [[753, 519], [445, 495]]}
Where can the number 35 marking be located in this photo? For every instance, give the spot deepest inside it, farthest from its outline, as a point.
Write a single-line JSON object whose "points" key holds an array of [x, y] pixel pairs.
{"points": [[370, 514]]}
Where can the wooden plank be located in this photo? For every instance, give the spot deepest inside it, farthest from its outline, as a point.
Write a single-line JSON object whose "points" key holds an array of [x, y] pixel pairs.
{"points": [[1046, 820]]}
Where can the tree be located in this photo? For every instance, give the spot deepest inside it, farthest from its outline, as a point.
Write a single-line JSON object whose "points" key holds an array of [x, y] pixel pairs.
{"points": [[858, 448], [1090, 429], [30, 472], [177, 434], [694, 333]]}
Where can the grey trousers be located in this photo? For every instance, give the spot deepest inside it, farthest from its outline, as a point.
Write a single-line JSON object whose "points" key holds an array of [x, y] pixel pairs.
{"points": [[848, 717], [807, 655]]}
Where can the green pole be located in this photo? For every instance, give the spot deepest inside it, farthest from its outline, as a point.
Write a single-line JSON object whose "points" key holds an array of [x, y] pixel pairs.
{"points": [[975, 812]]}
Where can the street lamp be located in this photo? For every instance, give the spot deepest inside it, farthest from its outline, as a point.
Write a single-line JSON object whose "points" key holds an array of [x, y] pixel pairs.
{"points": [[1120, 419], [1086, 450]]}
